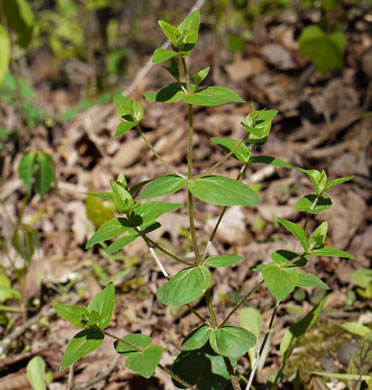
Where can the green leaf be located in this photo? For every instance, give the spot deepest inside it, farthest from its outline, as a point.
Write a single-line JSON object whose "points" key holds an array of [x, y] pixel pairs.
{"points": [[297, 231], [332, 252], [305, 204], [222, 191], [362, 277], [150, 211], [20, 19], [73, 314], [222, 261], [319, 235], [170, 32], [325, 51], [200, 76], [356, 328], [5, 52], [212, 372], [130, 111], [228, 144], [310, 280], [141, 341], [270, 161], [93, 318], [81, 345], [161, 55], [297, 330], [25, 169], [144, 363], [123, 199], [283, 256], [173, 69], [191, 22], [101, 195], [45, 173], [280, 282], [25, 240], [231, 341], [188, 285], [258, 124], [163, 185], [197, 339], [36, 373], [335, 182], [250, 319], [6, 290], [314, 176], [120, 243], [213, 96], [168, 94], [110, 229], [103, 304]]}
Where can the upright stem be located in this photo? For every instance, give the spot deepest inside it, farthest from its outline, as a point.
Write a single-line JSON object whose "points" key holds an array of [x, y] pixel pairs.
{"points": [[233, 377]]}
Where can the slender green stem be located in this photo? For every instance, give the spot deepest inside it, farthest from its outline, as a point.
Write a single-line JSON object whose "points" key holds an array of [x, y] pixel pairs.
{"points": [[192, 229], [12, 309], [186, 74], [148, 241], [208, 298], [119, 340], [232, 151], [176, 377], [241, 302], [156, 154], [140, 350], [233, 377]]}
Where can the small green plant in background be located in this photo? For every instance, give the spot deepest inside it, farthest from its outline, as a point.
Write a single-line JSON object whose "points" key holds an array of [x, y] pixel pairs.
{"points": [[209, 357], [37, 172]]}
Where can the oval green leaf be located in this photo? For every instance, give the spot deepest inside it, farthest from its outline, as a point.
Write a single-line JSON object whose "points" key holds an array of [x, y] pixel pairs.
{"points": [[120, 243], [212, 372], [331, 252], [222, 191], [188, 285], [297, 231], [164, 185], [81, 345], [45, 173], [305, 204], [197, 339], [228, 144], [25, 169], [141, 341], [146, 362], [232, 341], [36, 373], [161, 55], [150, 211], [283, 256], [280, 282], [213, 96], [222, 261], [169, 94], [270, 161], [103, 304], [110, 229], [76, 315], [310, 280]]}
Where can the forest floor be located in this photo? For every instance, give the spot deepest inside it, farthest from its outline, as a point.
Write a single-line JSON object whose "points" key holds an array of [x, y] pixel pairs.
{"points": [[320, 125]]}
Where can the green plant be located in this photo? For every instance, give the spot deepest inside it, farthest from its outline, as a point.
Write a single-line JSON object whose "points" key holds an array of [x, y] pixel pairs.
{"points": [[37, 172], [215, 345]]}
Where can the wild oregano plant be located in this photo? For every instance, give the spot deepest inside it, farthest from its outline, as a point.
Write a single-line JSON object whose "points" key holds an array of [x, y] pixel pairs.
{"points": [[209, 354]]}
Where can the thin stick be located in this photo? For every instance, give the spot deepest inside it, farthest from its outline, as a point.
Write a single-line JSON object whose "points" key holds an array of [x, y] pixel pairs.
{"points": [[254, 368]]}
